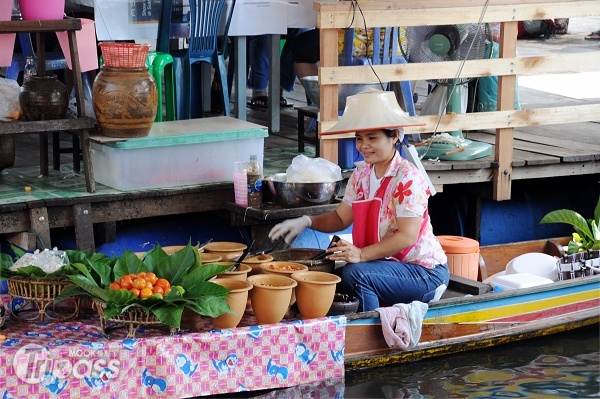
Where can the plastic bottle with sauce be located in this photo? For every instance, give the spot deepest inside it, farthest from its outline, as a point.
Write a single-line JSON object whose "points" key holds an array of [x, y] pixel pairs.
{"points": [[254, 176], [30, 69]]}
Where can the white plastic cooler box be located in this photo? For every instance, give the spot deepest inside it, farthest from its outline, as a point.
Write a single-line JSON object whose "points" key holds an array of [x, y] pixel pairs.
{"points": [[177, 153]]}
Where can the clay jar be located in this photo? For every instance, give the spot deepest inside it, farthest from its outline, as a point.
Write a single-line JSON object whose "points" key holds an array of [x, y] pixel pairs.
{"points": [[236, 299], [43, 98], [125, 101], [270, 296], [315, 292]]}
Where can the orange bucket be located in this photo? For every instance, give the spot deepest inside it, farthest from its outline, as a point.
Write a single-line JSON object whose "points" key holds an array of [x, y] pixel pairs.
{"points": [[463, 255]]}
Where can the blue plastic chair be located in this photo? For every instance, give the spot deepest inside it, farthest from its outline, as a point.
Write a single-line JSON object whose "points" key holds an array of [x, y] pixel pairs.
{"points": [[205, 17]]}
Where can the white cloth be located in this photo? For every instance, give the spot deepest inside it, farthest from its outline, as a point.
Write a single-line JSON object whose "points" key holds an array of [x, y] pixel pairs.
{"points": [[402, 324]]}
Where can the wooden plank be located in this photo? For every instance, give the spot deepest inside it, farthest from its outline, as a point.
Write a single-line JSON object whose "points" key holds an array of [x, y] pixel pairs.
{"points": [[565, 141], [40, 26], [84, 228], [522, 66], [562, 169], [39, 126], [398, 13], [520, 158], [40, 226]]}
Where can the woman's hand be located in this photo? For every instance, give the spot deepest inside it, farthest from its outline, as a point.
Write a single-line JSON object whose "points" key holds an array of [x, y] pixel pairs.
{"points": [[344, 251]]}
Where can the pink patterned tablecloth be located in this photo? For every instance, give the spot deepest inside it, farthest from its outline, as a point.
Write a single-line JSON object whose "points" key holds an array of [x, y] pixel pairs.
{"points": [[73, 360]]}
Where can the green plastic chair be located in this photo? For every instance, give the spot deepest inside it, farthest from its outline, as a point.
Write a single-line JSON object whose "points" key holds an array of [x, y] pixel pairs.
{"points": [[162, 64]]}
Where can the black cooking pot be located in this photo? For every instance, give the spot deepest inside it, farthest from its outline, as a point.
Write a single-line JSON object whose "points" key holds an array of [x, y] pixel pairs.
{"points": [[303, 256]]}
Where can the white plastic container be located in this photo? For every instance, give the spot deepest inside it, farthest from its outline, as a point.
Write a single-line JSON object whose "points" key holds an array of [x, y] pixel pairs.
{"points": [[536, 263], [505, 282], [177, 153]]}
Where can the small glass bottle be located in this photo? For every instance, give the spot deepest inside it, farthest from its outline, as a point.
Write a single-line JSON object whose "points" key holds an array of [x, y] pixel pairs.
{"points": [[30, 69], [254, 176]]}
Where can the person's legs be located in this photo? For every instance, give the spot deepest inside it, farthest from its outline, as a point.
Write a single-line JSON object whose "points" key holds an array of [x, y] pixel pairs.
{"points": [[392, 282], [258, 58], [305, 53]]}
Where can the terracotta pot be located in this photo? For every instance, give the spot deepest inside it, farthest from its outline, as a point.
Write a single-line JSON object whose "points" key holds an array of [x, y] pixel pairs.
{"points": [[315, 292], [256, 261], [227, 250], [125, 101], [43, 98], [238, 295], [284, 269], [171, 249], [240, 273], [270, 296], [206, 257]]}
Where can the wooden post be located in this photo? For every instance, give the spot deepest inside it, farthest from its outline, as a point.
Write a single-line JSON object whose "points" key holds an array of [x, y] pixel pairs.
{"points": [[329, 94], [506, 101]]}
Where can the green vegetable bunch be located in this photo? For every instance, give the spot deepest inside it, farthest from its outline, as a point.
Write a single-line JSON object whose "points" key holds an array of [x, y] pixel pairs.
{"points": [[183, 268], [587, 233]]}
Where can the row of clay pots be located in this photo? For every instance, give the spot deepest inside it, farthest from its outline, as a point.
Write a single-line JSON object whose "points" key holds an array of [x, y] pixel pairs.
{"points": [[273, 291]]}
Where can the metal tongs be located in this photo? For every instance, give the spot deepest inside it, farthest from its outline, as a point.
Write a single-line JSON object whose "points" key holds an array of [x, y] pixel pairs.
{"points": [[201, 247], [242, 257], [323, 254]]}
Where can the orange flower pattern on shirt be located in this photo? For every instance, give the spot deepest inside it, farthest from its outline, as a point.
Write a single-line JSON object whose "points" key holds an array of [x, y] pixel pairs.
{"points": [[407, 195]]}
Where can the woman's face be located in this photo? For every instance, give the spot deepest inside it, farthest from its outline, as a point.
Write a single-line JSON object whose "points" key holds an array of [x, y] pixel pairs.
{"points": [[375, 146]]}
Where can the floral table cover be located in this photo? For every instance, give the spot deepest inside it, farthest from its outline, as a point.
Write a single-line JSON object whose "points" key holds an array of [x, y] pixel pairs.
{"points": [[73, 360]]}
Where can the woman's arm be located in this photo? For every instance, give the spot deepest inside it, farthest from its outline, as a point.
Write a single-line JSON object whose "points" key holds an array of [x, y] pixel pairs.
{"points": [[336, 220]]}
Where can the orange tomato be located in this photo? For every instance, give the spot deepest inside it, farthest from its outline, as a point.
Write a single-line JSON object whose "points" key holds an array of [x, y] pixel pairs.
{"points": [[167, 290], [133, 276], [149, 284], [162, 282], [151, 277], [126, 282], [135, 291], [139, 283], [114, 286], [146, 293], [141, 275], [158, 290]]}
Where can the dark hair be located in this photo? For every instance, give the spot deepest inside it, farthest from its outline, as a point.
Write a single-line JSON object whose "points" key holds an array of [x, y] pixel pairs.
{"points": [[390, 133]]}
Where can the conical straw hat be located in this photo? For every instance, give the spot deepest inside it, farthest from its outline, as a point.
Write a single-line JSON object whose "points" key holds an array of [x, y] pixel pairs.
{"points": [[372, 110]]}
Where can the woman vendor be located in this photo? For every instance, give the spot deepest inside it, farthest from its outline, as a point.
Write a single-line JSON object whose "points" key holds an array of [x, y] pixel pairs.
{"points": [[394, 256]]}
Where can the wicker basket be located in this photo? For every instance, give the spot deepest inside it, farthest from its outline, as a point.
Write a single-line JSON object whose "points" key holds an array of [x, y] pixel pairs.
{"points": [[124, 55], [132, 318], [38, 297]]}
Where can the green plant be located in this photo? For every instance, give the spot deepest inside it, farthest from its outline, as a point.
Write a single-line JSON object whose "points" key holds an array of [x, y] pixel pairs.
{"points": [[183, 268], [587, 233]]}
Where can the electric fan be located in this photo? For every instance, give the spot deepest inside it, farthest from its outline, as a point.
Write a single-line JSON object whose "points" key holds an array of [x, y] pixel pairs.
{"points": [[450, 43]]}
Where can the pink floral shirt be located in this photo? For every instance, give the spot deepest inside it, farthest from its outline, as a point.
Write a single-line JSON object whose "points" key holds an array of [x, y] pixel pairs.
{"points": [[406, 196]]}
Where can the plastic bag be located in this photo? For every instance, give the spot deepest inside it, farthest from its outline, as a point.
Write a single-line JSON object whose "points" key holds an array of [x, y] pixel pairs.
{"points": [[312, 170], [9, 99]]}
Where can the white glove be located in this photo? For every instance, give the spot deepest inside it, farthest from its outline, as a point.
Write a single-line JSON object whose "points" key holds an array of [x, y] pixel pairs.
{"points": [[290, 229]]}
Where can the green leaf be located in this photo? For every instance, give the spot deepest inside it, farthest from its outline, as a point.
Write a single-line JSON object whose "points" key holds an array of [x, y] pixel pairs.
{"points": [[178, 264], [128, 263], [210, 306], [193, 283], [70, 291], [18, 251], [170, 314], [569, 217]]}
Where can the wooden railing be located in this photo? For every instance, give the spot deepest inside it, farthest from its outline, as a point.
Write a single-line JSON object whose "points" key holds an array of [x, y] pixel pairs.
{"points": [[332, 16]]}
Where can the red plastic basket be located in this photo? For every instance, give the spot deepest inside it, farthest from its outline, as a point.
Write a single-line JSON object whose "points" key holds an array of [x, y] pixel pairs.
{"points": [[124, 55]]}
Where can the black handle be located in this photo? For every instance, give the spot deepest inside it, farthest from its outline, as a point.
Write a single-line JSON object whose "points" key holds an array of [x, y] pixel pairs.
{"points": [[323, 254]]}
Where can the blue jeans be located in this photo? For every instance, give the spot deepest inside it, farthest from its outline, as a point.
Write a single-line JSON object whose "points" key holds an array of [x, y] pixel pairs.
{"points": [[392, 282], [258, 59]]}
